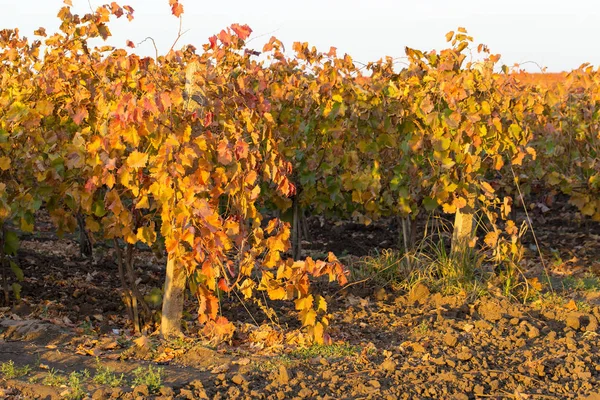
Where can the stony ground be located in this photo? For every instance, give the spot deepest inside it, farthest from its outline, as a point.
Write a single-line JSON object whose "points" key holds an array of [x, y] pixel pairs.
{"points": [[413, 346], [67, 338]]}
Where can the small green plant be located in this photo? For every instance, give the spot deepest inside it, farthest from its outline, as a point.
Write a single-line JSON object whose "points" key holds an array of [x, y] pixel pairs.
{"points": [[10, 371], [325, 351], [273, 363], [583, 306], [151, 377], [588, 282], [423, 327], [106, 376], [87, 328], [75, 384], [54, 379], [181, 343]]}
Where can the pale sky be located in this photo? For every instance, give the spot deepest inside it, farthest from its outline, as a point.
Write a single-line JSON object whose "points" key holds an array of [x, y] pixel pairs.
{"points": [[559, 35]]}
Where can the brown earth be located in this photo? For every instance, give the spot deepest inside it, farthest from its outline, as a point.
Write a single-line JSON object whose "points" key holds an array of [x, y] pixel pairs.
{"points": [[386, 344]]}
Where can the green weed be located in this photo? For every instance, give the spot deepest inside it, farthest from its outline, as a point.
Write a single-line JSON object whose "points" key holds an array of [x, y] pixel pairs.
{"points": [[10, 371], [54, 379], [75, 383], [106, 376], [586, 283], [325, 351], [151, 377]]}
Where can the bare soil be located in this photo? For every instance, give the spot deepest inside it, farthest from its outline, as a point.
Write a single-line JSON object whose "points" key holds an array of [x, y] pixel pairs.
{"points": [[386, 344]]}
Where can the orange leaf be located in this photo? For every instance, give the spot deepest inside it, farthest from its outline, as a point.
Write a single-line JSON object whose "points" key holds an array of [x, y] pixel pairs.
{"points": [[223, 153], [223, 285], [176, 8], [243, 31]]}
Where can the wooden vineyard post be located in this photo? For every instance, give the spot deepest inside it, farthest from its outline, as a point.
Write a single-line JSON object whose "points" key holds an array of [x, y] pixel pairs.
{"points": [[296, 232], [464, 226], [172, 307], [174, 293]]}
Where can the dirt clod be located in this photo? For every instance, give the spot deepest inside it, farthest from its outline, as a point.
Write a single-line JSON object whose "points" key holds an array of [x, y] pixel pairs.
{"points": [[100, 394], [450, 340], [491, 311], [283, 378], [388, 365], [418, 293], [238, 379], [573, 321]]}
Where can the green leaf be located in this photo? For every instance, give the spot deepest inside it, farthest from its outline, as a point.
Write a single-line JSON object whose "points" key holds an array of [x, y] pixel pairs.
{"points": [[17, 271], [17, 290], [430, 204], [27, 222], [11, 243], [154, 298], [98, 208]]}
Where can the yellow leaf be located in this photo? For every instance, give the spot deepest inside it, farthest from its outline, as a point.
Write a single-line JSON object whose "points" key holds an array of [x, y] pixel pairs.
{"points": [[318, 333], [308, 317], [247, 288], [320, 304], [137, 160], [485, 108], [4, 163], [147, 234], [109, 180], [491, 238], [142, 202], [268, 117], [449, 208], [277, 293], [92, 225], [487, 187], [304, 303]]}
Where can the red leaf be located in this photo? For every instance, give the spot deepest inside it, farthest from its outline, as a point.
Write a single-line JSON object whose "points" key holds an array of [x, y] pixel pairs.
{"points": [[130, 44], [208, 119], [243, 31], [213, 41]]}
